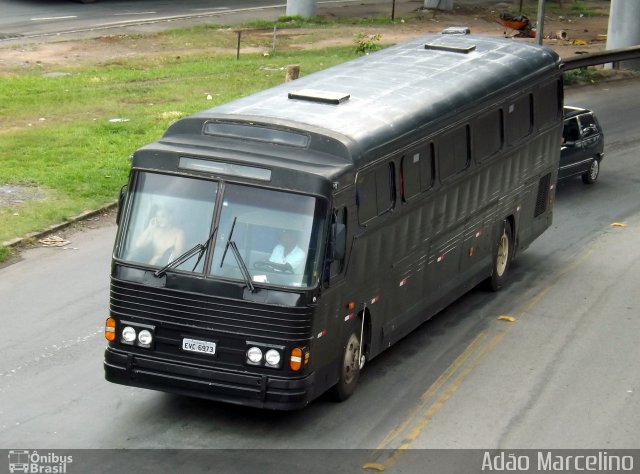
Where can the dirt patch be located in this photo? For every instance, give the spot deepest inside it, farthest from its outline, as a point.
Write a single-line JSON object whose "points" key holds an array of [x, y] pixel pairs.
{"points": [[16, 195]]}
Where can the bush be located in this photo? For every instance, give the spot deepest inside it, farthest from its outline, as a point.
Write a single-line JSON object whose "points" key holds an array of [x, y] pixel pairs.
{"points": [[366, 43]]}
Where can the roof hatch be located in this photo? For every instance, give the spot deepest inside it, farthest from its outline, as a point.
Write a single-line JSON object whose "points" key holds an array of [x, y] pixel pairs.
{"points": [[324, 97], [450, 49]]}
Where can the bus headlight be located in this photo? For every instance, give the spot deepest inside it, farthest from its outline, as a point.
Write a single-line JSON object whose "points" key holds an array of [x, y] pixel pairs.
{"points": [[144, 338], [272, 358], [254, 355], [128, 335]]}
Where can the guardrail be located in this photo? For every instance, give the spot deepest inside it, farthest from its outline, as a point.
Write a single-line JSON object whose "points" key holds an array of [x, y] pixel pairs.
{"points": [[602, 57]]}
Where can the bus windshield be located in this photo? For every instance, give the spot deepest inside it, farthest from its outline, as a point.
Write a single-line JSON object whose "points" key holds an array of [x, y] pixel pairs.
{"points": [[277, 234], [169, 215]]}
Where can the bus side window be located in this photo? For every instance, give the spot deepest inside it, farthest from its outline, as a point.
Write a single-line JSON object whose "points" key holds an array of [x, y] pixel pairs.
{"points": [[386, 184], [375, 192], [416, 172], [340, 217], [519, 119], [409, 176], [548, 103], [453, 152], [487, 134], [366, 197]]}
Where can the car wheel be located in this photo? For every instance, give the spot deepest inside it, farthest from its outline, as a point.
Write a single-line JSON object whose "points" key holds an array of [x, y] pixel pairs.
{"points": [[592, 173]]}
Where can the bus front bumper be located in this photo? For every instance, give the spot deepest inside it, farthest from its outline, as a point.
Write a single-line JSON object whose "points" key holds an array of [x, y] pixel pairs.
{"points": [[242, 388]]}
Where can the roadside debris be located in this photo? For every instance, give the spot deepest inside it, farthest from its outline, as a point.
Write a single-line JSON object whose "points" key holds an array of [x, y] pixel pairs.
{"points": [[519, 23], [54, 241], [511, 319]]}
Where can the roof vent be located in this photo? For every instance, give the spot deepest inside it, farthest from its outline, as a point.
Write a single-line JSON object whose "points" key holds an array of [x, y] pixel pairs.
{"points": [[450, 49], [457, 30], [324, 97]]}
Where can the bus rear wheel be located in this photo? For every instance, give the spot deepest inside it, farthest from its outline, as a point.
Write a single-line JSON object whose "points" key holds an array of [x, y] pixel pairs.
{"points": [[502, 257], [349, 368]]}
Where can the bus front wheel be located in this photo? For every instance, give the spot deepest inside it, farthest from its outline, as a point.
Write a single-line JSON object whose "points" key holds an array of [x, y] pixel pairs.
{"points": [[502, 257], [349, 368]]}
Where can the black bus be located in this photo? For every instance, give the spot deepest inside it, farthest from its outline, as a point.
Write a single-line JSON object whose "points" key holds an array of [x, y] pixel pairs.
{"points": [[268, 247]]}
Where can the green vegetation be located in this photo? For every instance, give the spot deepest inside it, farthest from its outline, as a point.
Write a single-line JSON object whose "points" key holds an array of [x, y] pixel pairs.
{"points": [[5, 253], [566, 8], [68, 132], [585, 75], [579, 8], [366, 43], [299, 22]]}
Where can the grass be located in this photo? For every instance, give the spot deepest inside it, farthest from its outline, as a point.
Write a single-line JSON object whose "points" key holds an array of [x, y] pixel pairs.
{"points": [[299, 22], [564, 8], [584, 75], [56, 133], [5, 253]]}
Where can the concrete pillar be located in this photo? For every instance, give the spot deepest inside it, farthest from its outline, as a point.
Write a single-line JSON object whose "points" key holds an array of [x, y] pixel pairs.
{"points": [[439, 4], [303, 8], [624, 28]]}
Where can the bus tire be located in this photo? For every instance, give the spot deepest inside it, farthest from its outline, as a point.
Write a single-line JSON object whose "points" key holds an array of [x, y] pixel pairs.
{"points": [[502, 257], [349, 368]]}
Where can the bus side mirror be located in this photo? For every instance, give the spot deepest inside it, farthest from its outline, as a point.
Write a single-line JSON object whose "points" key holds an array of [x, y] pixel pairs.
{"points": [[338, 241], [123, 193]]}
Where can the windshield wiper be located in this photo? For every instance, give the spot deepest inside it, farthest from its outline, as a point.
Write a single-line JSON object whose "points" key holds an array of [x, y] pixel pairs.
{"points": [[198, 248], [236, 253], [243, 266]]}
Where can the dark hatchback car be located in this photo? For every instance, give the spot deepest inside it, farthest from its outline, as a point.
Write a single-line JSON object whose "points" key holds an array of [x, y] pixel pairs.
{"points": [[582, 145]]}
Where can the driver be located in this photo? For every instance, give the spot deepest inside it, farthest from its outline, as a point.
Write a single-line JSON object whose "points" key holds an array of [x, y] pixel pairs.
{"points": [[288, 252]]}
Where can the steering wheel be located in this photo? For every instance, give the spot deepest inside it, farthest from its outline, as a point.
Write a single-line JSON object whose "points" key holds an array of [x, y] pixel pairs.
{"points": [[274, 267]]}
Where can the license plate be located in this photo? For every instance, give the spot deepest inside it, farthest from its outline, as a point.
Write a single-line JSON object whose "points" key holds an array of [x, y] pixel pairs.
{"points": [[204, 347]]}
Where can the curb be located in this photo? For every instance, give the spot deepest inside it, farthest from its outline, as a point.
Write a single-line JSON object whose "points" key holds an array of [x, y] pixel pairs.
{"points": [[56, 227]]}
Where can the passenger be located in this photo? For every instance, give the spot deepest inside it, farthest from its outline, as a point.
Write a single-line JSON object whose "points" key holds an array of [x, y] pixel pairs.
{"points": [[165, 239], [288, 252]]}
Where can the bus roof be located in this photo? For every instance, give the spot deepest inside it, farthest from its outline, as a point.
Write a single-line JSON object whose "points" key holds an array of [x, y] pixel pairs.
{"points": [[371, 101]]}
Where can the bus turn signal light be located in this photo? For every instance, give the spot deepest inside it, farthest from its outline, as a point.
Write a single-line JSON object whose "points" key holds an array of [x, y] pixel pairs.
{"points": [[295, 363], [110, 329]]}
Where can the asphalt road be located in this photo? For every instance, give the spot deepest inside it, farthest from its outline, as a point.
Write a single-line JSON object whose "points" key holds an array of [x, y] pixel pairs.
{"points": [[565, 374]]}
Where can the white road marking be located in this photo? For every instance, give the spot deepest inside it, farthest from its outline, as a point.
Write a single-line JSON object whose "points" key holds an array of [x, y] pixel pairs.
{"points": [[134, 13], [209, 9], [46, 18]]}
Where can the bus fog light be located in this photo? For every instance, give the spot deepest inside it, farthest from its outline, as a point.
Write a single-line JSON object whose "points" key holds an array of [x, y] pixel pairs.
{"points": [[272, 358], [128, 335], [145, 338], [254, 355]]}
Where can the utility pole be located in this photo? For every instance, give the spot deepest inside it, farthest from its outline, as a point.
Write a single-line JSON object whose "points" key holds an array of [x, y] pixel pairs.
{"points": [[303, 8], [624, 28], [540, 24]]}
